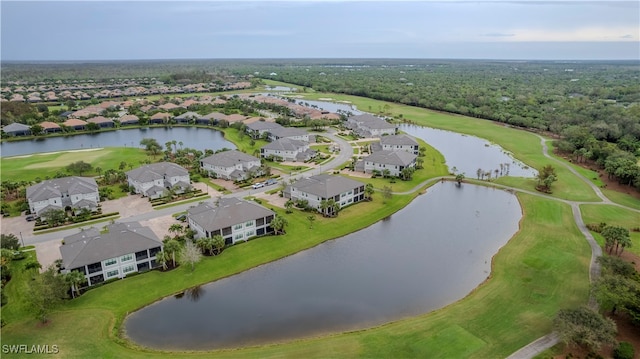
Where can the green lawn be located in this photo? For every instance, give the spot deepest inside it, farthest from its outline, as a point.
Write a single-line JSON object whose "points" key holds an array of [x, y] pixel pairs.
{"points": [[616, 216], [543, 268], [242, 141], [30, 167]]}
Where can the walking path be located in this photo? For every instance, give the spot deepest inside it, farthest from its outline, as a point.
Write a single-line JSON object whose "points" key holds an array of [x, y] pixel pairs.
{"points": [[345, 155]]}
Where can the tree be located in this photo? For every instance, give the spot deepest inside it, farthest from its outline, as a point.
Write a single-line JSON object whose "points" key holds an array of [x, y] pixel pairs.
{"points": [[177, 230], [54, 217], [9, 241], [79, 167], [32, 264], [616, 237], [151, 146], [162, 258], [368, 191], [205, 244], [459, 178], [545, 178], [190, 255], [387, 192], [407, 173], [37, 130], [218, 243], [311, 218], [172, 248], [386, 173], [75, 279], [585, 328], [278, 223], [45, 292], [288, 206]]}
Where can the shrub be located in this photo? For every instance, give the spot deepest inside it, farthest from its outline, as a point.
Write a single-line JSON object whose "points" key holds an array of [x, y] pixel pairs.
{"points": [[624, 351]]}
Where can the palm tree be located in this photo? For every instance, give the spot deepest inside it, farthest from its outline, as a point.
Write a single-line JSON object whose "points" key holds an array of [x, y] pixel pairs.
{"points": [[386, 173], [480, 173], [205, 244], [172, 247], [218, 243], [177, 230], [289, 206], [368, 191], [75, 279], [311, 218], [161, 259], [324, 205], [278, 223]]}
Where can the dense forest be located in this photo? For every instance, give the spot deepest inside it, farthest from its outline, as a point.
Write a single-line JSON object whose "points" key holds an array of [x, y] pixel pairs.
{"points": [[593, 105]]}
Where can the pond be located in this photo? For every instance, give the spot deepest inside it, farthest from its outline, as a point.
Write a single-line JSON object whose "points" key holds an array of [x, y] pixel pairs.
{"points": [[470, 153], [432, 253], [192, 137]]}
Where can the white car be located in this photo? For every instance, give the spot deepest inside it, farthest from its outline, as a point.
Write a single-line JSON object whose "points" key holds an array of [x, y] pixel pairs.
{"points": [[257, 185]]}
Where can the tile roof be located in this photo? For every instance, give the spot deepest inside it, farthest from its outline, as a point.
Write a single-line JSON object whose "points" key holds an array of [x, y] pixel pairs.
{"points": [[230, 211], [229, 158], [326, 186], [148, 173], [55, 187]]}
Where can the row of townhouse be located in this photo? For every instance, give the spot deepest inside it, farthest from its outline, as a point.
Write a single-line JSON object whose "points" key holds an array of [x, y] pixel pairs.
{"points": [[393, 153]]}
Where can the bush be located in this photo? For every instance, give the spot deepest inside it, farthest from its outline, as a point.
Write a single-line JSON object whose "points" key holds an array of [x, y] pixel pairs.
{"points": [[624, 351]]}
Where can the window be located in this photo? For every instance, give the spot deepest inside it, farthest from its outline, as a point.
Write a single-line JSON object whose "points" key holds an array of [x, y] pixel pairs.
{"points": [[237, 226], [153, 251], [110, 262], [129, 268], [250, 233], [260, 222], [95, 267], [249, 224], [127, 257], [112, 273], [141, 255]]}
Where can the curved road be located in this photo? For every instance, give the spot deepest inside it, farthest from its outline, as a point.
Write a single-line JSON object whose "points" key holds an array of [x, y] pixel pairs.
{"points": [[345, 154]]}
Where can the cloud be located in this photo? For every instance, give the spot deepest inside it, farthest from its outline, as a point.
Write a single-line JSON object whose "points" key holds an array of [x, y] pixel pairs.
{"points": [[578, 34], [499, 34], [627, 36]]}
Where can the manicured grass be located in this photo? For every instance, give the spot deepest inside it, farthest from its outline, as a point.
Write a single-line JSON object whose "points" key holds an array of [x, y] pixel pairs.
{"points": [[243, 142], [622, 198], [615, 216], [30, 167], [321, 148], [543, 268]]}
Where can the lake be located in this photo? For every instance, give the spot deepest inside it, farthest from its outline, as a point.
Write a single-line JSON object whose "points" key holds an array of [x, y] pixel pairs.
{"points": [[192, 137], [469, 153], [432, 253]]}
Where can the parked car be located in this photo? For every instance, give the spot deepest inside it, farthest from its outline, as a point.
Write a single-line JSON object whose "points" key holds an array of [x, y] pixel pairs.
{"points": [[182, 217], [270, 182], [30, 217], [257, 185]]}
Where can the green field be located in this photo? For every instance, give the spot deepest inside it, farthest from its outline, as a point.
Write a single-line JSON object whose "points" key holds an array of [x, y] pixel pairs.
{"points": [[615, 216], [43, 165]]}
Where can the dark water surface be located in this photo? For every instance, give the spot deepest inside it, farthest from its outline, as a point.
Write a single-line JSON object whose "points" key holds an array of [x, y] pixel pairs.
{"points": [[192, 137], [430, 254]]}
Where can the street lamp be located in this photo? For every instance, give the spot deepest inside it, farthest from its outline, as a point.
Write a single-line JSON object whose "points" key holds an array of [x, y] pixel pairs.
{"points": [[22, 239]]}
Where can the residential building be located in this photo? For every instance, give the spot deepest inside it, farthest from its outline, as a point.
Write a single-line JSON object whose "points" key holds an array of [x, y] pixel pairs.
{"points": [[231, 165], [278, 133], [367, 125], [129, 120], [234, 219], [63, 193], [187, 117], [16, 129], [287, 149], [50, 127], [124, 249], [396, 143], [159, 118], [393, 161], [152, 180], [101, 121], [76, 124], [316, 189], [258, 129]]}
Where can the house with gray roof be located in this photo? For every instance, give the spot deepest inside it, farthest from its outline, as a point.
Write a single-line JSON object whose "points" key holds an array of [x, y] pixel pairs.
{"points": [[16, 129], [258, 129], [400, 142], [63, 193], [152, 180], [316, 189], [124, 249], [231, 165], [187, 117], [232, 218], [394, 161], [287, 149], [278, 133], [367, 125]]}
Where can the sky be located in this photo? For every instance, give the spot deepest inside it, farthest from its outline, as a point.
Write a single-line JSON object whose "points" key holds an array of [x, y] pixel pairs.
{"points": [[481, 29]]}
